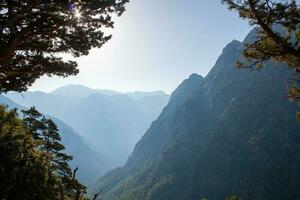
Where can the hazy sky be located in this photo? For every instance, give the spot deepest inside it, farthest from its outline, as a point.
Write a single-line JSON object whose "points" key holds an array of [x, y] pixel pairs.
{"points": [[155, 45]]}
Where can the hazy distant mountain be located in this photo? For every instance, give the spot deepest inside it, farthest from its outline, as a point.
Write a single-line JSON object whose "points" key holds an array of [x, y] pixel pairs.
{"points": [[11, 105], [111, 121], [138, 95], [151, 106], [231, 133], [51, 104], [80, 91], [90, 162], [114, 123], [59, 101]]}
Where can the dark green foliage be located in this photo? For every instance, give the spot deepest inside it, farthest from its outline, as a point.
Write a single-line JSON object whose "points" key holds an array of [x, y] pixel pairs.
{"points": [[34, 32], [278, 35], [46, 132], [18, 159], [230, 133], [33, 163]]}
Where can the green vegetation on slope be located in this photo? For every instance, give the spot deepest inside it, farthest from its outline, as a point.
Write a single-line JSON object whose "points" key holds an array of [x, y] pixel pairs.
{"points": [[33, 162]]}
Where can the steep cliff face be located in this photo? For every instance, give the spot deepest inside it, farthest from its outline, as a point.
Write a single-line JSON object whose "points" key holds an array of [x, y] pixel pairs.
{"points": [[231, 133]]}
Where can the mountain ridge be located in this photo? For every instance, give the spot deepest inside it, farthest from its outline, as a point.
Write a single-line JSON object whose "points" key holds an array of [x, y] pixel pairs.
{"points": [[219, 136]]}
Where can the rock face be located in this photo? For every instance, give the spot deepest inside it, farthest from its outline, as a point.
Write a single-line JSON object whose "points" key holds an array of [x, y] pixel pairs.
{"points": [[231, 133]]}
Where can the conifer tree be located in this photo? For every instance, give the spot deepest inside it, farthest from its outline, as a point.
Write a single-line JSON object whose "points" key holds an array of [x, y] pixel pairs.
{"points": [[34, 165], [278, 35], [35, 33], [23, 169]]}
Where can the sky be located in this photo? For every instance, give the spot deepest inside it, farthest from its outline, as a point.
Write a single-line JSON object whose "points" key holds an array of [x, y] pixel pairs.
{"points": [[156, 44]]}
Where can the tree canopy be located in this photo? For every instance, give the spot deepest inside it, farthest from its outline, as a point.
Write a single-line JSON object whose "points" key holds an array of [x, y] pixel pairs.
{"points": [[35, 33], [34, 165], [278, 27]]}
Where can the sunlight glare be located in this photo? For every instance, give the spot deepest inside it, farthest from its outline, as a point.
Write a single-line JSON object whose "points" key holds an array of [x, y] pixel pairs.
{"points": [[77, 14]]}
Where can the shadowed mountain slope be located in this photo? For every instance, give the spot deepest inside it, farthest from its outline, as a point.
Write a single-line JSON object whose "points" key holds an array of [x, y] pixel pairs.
{"points": [[231, 133]]}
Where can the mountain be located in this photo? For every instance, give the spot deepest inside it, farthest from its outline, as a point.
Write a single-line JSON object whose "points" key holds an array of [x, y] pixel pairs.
{"points": [[51, 104], [138, 95], [110, 121], [89, 161], [114, 123], [80, 91], [9, 103], [151, 106], [231, 133], [57, 102]]}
